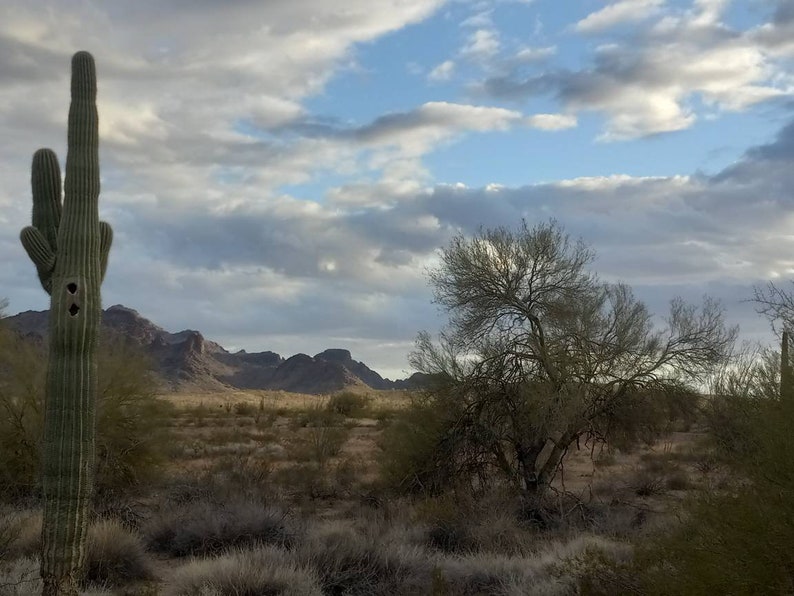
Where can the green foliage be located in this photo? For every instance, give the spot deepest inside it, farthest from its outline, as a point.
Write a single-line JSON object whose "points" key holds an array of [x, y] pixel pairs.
{"points": [[414, 446], [131, 434], [21, 415]]}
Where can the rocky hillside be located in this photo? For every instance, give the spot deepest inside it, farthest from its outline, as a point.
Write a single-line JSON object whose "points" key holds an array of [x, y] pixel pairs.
{"points": [[188, 361]]}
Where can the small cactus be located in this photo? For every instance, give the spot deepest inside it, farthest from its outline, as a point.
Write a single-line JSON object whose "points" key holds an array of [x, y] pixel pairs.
{"points": [[69, 247]]}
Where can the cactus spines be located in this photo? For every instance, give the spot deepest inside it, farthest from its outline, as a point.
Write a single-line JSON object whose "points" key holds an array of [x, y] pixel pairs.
{"points": [[69, 247]]}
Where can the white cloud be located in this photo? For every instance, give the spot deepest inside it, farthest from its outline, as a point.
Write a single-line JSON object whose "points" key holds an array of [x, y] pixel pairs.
{"points": [[479, 20], [442, 72], [528, 55], [481, 45], [552, 121], [624, 11]]}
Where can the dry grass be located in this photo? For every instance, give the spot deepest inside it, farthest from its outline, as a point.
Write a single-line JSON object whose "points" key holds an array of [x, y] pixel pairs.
{"points": [[265, 571], [280, 400], [115, 555]]}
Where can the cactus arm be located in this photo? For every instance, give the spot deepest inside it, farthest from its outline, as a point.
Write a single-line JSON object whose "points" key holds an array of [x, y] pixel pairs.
{"points": [[40, 240], [41, 253], [45, 180], [105, 240]]}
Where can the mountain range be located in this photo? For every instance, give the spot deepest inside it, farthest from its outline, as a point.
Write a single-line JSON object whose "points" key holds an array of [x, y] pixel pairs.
{"points": [[186, 361]]}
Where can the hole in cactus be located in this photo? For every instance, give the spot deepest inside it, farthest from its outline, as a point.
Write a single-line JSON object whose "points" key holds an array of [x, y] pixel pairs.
{"points": [[71, 288], [74, 309]]}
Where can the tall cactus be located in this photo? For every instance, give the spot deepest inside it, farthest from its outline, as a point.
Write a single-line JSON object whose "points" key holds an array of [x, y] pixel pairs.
{"points": [[69, 246]]}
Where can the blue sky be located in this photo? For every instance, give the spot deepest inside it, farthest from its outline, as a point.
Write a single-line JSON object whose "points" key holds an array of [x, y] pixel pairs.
{"points": [[281, 174]]}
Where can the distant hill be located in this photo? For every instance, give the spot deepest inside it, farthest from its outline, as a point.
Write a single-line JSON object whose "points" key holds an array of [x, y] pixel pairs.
{"points": [[187, 361]]}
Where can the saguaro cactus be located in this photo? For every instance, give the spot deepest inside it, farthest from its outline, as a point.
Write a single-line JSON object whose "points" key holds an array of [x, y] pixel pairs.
{"points": [[69, 246]]}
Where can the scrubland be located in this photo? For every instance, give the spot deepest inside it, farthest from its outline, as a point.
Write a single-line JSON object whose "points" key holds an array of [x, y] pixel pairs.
{"points": [[274, 493]]}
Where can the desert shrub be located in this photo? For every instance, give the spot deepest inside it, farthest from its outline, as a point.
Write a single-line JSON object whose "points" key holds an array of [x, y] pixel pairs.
{"points": [[319, 444], [131, 434], [410, 459], [448, 524], [313, 415], [242, 408], [132, 430], [353, 564], [305, 481], [20, 534], [348, 404], [206, 528], [114, 555], [646, 484], [264, 571], [22, 375]]}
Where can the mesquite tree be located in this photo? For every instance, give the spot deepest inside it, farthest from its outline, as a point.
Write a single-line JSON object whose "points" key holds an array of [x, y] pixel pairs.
{"points": [[539, 353], [69, 246]]}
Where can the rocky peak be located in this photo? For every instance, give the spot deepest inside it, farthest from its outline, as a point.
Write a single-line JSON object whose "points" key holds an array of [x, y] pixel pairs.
{"points": [[335, 355]]}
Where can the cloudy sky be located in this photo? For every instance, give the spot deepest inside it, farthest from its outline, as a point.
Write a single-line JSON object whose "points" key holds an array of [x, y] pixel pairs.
{"points": [[280, 174]]}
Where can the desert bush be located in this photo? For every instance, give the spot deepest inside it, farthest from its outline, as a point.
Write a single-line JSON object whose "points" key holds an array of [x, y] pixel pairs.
{"points": [[646, 484], [20, 533], [319, 444], [410, 461], [448, 524], [132, 430], [206, 528], [22, 373], [346, 403], [131, 434], [350, 563], [265, 571], [115, 556], [242, 408]]}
